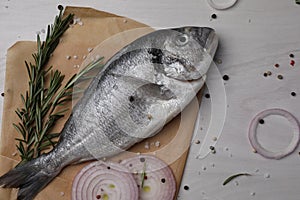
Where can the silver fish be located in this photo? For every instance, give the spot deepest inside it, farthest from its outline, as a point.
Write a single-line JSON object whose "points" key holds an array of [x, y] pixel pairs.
{"points": [[138, 91]]}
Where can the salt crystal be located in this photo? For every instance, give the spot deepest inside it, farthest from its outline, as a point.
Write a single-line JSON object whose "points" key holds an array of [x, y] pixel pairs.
{"points": [[197, 142], [75, 57], [267, 175], [68, 57], [84, 57], [80, 23], [90, 50], [147, 145], [62, 193], [157, 143]]}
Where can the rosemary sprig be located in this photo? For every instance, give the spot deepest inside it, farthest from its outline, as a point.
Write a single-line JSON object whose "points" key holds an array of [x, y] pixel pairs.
{"points": [[234, 177], [143, 175], [41, 101]]}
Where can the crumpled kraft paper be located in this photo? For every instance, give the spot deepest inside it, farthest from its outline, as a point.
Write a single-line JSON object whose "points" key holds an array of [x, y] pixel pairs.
{"points": [[97, 28]]}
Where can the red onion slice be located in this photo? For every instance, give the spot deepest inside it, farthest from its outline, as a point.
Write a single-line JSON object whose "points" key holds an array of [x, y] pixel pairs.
{"points": [[104, 180], [159, 181], [221, 6], [270, 154]]}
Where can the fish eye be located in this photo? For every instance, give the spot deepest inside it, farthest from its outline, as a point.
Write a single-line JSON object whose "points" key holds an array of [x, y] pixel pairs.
{"points": [[182, 40]]}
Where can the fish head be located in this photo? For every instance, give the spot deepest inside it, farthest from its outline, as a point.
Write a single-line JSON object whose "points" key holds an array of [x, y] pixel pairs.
{"points": [[188, 52]]}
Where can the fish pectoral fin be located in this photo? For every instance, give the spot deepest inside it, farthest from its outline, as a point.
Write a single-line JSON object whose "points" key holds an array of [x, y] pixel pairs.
{"points": [[152, 91], [144, 89]]}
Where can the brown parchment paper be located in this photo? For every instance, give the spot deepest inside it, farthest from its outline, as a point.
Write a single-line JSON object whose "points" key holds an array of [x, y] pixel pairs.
{"points": [[97, 28]]}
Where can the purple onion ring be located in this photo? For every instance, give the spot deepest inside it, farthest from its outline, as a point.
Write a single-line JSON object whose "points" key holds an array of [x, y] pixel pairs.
{"points": [[267, 153]]}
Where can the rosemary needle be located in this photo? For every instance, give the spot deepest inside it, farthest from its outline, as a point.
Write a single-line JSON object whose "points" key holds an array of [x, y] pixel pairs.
{"points": [[143, 175], [42, 102], [235, 176]]}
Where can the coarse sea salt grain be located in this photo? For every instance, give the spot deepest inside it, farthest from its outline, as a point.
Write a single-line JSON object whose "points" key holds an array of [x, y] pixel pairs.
{"points": [[157, 143], [90, 50], [147, 145], [267, 175]]}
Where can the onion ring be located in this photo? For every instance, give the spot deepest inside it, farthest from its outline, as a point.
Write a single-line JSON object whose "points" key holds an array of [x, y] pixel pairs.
{"points": [[159, 181], [104, 180], [270, 154], [222, 6]]}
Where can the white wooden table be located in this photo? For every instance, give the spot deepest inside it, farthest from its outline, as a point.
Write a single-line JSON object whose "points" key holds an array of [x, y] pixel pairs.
{"points": [[254, 35]]}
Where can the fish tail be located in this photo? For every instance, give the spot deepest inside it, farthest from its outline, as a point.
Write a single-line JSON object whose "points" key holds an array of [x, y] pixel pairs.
{"points": [[29, 178]]}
